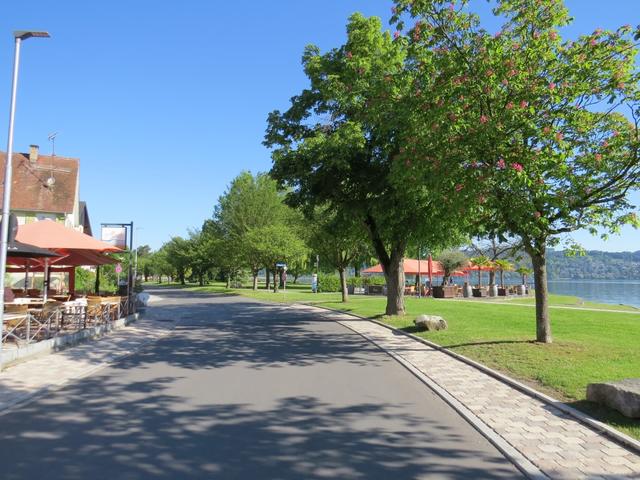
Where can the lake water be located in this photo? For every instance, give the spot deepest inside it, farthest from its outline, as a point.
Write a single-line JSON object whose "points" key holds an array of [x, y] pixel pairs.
{"points": [[601, 291]]}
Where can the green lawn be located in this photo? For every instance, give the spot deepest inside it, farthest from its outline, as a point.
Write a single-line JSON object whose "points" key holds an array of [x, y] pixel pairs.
{"points": [[570, 301], [589, 345]]}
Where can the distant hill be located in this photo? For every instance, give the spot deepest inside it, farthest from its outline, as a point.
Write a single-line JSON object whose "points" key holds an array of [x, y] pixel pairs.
{"points": [[595, 265]]}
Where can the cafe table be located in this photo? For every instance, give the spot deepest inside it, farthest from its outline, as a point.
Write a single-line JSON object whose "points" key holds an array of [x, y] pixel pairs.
{"points": [[30, 301]]}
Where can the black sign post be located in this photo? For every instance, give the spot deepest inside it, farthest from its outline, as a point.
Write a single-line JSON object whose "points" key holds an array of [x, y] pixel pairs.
{"points": [[128, 236]]}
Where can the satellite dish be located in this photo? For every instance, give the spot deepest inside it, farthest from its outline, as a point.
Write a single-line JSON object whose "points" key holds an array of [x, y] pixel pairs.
{"points": [[51, 181]]}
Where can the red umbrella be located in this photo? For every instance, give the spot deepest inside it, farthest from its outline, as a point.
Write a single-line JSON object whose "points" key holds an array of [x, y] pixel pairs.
{"points": [[75, 247]]}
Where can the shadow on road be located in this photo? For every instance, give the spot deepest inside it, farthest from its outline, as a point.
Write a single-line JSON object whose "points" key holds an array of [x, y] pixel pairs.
{"points": [[172, 412], [136, 430]]}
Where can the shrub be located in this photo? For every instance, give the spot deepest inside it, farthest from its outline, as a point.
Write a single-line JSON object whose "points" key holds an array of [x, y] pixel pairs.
{"points": [[355, 281], [328, 283], [374, 281]]}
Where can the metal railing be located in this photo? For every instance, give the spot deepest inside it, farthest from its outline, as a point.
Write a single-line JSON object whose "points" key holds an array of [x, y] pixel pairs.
{"points": [[34, 325]]}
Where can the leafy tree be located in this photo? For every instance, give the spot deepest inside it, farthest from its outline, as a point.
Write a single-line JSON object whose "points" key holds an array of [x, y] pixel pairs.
{"points": [[524, 271], [144, 261], [227, 253], [85, 280], [201, 254], [249, 205], [494, 249], [160, 266], [451, 261], [338, 147], [481, 262], [300, 267], [339, 242], [503, 266], [176, 254], [535, 121], [274, 244]]}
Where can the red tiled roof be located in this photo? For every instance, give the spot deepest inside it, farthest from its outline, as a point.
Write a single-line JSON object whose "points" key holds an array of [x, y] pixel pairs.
{"points": [[29, 189]]}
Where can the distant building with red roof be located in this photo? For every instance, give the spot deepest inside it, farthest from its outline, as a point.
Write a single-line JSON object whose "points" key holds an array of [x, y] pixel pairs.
{"points": [[46, 187]]}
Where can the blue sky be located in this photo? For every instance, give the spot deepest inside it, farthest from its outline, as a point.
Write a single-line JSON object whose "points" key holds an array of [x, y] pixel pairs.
{"points": [[165, 102]]}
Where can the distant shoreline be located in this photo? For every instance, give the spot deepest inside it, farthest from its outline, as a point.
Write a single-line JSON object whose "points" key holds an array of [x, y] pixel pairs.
{"points": [[627, 281]]}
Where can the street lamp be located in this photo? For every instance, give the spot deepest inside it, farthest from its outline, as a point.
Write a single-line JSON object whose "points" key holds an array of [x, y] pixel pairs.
{"points": [[6, 203]]}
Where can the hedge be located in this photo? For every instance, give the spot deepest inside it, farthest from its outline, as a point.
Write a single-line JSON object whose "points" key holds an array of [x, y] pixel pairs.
{"points": [[328, 283]]}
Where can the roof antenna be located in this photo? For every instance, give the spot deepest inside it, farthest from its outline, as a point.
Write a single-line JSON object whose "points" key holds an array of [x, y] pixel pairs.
{"points": [[51, 181]]}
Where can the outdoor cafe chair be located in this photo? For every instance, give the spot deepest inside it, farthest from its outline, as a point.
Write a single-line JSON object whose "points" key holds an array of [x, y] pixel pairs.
{"points": [[112, 308], [95, 312], [15, 321], [73, 312], [34, 292], [45, 319]]}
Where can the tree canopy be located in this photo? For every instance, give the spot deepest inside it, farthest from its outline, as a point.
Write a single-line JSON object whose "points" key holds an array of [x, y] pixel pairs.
{"points": [[339, 143]]}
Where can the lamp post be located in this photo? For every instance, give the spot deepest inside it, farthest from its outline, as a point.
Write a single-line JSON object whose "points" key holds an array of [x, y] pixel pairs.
{"points": [[19, 36]]}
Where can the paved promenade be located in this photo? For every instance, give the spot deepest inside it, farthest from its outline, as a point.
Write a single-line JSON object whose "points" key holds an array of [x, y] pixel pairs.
{"points": [[35, 376], [558, 444], [245, 390]]}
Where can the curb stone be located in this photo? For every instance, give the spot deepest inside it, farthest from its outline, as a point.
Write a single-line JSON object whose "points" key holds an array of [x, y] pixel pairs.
{"points": [[603, 428], [522, 463]]}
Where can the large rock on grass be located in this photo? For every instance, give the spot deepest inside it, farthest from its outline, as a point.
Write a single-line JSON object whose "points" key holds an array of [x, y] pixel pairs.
{"points": [[430, 322], [623, 396]]}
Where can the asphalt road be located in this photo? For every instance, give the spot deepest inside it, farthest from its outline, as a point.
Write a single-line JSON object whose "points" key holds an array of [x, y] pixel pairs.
{"points": [[244, 390]]}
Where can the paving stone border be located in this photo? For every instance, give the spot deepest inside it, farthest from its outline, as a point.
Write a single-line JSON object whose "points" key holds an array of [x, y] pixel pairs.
{"points": [[581, 416], [560, 443]]}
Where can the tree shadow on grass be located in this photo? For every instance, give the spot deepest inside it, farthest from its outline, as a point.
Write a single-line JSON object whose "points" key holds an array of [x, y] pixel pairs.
{"points": [[608, 416], [489, 342]]}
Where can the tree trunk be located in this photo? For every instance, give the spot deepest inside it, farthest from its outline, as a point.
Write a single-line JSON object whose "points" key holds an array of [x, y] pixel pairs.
{"points": [[392, 267], [228, 280], [276, 282], [492, 277], [255, 279], [201, 280], [343, 285], [394, 275], [502, 278], [543, 323], [356, 269], [267, 278], [295, 278]]}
